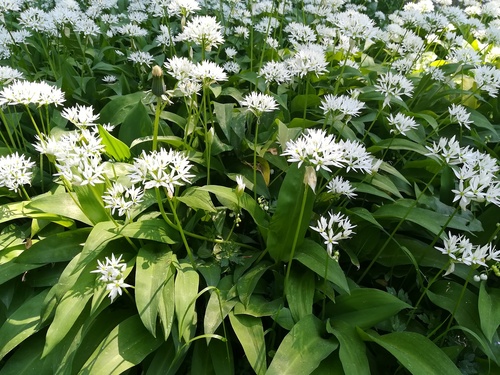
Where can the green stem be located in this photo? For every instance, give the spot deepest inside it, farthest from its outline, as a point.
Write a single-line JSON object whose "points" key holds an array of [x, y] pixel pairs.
{"points": [[181, 231], [156, 124], [296, 237], [255, 140]]}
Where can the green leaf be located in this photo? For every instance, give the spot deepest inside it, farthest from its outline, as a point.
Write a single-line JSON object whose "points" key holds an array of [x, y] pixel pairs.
{"points": [[10, 268], [90, 199], [314, 256], [398, 144], [250, 334], [195, 198], [150, 229], [126, 346], [166, 307], [60, 204], [97, 240], [21, 324], [113, 147], [365, 307], [352, 350], [416, 352], [69, 309], [245, 202], [152, 268], [258, 306], [120, 107], [26, 359], [287, 219], [247, 283], [218, 303], [428, 219], [300, 292], [136, 124], [302, 349], [59, 247], [463, 304], [186, 291], [489, 310]]}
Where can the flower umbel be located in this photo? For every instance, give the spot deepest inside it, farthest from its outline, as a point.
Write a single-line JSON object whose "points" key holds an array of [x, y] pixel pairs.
{"points": [[113, 274]]}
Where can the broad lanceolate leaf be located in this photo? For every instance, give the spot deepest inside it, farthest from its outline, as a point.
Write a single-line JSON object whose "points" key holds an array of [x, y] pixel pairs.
{"points": [[152, 268], [250, 334], [126, 346], [60, 204], [89, 198], [21, 324], [302, 349], [151, 229], [245, 202], [197, 199], [314, 256], [300, 292], [186, 290], [113, 147], [366, 307], [352, 350], [166, 307], [416, 352], [217, 304], [287, 219], [59, 247], [463, 304], [489, 310]]}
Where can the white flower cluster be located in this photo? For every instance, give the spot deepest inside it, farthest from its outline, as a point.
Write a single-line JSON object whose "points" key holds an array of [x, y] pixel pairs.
{"points": [[258, 103], [393, 86], [459, 114], [80, 115], [161, 168], [340, 106], [476, 172], [122, 198], [192, 76], [333, 229], [321, 151], [112, 273], [77, 155], [24, 92], [15, 171], [7, 74], [401, 123], [204, 31], [340, 186], [461, 250]]}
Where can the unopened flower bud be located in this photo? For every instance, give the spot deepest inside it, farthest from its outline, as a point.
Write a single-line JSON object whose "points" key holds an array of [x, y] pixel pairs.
{"points": [[158, 87], [240, 188]]}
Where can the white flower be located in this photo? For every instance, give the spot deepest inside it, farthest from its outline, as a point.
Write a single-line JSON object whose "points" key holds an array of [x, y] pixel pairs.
{"points": [[183, 7], [24, 92], [340, 186], [459, 114], [231, 67], [204, 31], [80, 115], [180, 67], [274, 71], [240, 188], [488, 79], [112, 273], [401, 123], [393, 86], [122, 198], [109, 79], [334, 229], [140, 57], [341, 106], [258, 103], [308, 59], [8, 74], [208, 72], [15, 171], [161, 168]]}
